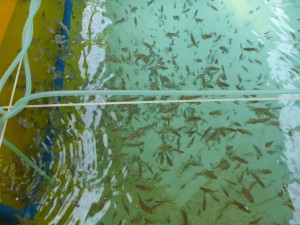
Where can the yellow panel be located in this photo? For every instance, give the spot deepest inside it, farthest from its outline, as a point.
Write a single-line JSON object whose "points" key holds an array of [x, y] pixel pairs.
{"points": [[6, 10]]}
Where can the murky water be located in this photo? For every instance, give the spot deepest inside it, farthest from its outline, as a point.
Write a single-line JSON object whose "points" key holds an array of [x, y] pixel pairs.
{"points": [[178, 163]]}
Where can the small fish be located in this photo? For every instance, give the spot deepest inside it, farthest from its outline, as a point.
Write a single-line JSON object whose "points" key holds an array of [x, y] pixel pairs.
{"points": [[206, 132], [222, 84], [198, 60], [224, 49], [223, 164], [133, 9], [173, 130], [258, 151], [255, 121], [268, 144], [208, 174], [150, 2], [251, 49], [207, 190], [239, 159], [264, 171], [258, 180], [185, 11], [224, 190], [247, 194], [143, 187], [212, 68], [137, 220], [193, 41], [122, 20], [216, 113], [144, 207], [104, 201], [204, 203], [125, 206], [176, 17], [242, 207], [171, 34], [230, 182], [243, 131], [198, 20], [195, 14], [255, 222], [184, 217], [206, 36], [213, 7], [169, 160], [135, 21], [135, 144]]}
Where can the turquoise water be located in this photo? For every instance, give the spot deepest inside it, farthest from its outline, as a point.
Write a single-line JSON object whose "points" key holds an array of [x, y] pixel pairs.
{"points": [[230, 162]]}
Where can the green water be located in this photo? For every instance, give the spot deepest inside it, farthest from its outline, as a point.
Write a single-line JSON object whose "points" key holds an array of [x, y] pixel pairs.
{"points": [[178, 163]]}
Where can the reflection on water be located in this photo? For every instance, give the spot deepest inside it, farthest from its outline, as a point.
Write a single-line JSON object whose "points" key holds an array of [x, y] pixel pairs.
{"points": [[210, 163]]}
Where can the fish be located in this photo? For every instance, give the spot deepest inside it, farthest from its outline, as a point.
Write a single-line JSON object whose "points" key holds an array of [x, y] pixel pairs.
{"points": [[171, 34], [184, 217], [143, 187], [208, 174], [104, 201], [246, 192], [135, 144], [224, 49], [205, 133], [204, 203], [122, 20], [198, 60], [207, 190], [222, 84], [150, 2], [239, 159], [258, 151], [185, 11], [241, 177], [125, 206], [223, 164], [135, 21], [137, 219], [243, 131], [224, 190], [193, 41], [195, 14], [176, 17], [216, 113], [173, 130], [169, 160], [212, 6], [144, 207], [264, 171], [268, 144], [198, 20], [250, 49], [258, 180], [241, 206], [255, 222], [255, 121], [206, 36]]}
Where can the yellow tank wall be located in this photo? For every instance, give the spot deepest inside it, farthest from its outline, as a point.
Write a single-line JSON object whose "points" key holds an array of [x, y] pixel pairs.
{"points": [[6, 10]]}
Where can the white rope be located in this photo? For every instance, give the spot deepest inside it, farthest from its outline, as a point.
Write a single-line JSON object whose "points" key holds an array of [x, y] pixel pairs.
{"points": [[156, 102], [11, 100]]}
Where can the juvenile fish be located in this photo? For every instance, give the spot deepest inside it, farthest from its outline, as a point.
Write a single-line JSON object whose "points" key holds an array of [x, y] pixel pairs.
{"points": [[144, 207], [248, 195], [251, 49], [206, 36], [242, 207]]}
